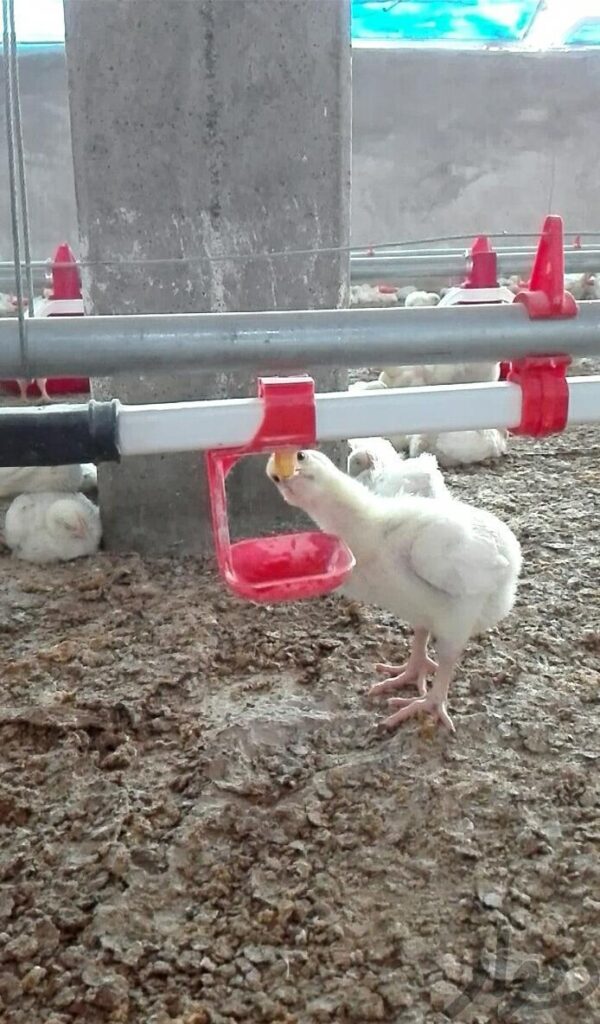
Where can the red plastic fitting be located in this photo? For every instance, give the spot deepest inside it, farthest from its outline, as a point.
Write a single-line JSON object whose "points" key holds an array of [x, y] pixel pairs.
{"points": [[543, 382], [483, 266], [66, 283], [542, 379], [545, 295], [286, 567]]}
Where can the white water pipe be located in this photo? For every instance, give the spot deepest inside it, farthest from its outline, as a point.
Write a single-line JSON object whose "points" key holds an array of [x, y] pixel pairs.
{"points": [[196, 426]]}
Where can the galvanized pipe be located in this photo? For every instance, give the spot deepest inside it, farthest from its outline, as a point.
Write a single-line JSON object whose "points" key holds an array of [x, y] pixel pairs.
{"points": [[290, 341], [403, 267]]}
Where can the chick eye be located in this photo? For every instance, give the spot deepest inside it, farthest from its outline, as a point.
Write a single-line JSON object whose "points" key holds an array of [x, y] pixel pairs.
{"points": [[300, 456], [276, 479]]}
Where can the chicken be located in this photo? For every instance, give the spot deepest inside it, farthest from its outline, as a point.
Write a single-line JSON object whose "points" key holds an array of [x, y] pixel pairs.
{"points": [[41, 383], [30, 479], [52, 527], [421, 299], [460, 447], [366, 385], [8, 307], [433, 374], [514, 283], [581, 286], [376, 464], [448, 569], [372, 295]]}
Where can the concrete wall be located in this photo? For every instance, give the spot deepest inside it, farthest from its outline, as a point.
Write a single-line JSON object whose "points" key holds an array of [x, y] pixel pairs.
{"points": [[444, 142]]}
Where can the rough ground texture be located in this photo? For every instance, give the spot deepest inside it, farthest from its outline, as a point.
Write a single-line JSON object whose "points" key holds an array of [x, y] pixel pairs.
{"points": [[200, 823]]}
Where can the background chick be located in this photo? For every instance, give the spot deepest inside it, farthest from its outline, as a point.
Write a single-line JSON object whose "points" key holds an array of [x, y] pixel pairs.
{"points": [[29, 479], [376, 464], [421, 299], [367, 385], [52, 527], [448, 569], [432, 374], [461, 447]]}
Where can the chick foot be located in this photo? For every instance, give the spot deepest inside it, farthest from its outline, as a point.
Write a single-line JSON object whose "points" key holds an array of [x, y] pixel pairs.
{"points": [[416, 669], [433, 703], [410, 706]]}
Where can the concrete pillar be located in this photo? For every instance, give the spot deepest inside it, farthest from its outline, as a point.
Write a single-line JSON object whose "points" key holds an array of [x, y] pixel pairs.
{"points": [[206, 128]]}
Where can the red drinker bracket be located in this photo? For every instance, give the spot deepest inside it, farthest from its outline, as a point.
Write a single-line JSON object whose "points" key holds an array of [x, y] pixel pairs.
{"points": [[286, 567], [542, 379]]}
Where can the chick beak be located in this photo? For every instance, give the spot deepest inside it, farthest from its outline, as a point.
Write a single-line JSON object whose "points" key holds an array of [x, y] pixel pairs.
{"points": [[284, 464]]}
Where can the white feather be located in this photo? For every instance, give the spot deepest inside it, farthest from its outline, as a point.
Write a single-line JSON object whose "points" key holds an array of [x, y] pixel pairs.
{"points": [[440, 565], [461, 447], [52, 527], [376, 464], [28, 479], [414, 299]]}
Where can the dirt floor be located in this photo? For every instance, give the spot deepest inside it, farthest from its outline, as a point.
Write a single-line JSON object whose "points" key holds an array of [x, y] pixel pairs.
{"points": [[200, 823]]}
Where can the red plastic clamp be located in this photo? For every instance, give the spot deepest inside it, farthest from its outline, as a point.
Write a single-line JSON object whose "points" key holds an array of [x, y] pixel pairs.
{"points": [[542, 379], [289, 421], [289, 418], [543, 382], [483, 266], [545, 295], [66, 282]]}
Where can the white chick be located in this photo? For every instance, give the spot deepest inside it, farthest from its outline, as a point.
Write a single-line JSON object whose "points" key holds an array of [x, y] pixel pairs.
{"points": [[376, 464], [433, 374], [421, 299], [368, 294], [30, 479], [42, 385], [89, 480], [461, 447], [367, 385], [581, 286], [448, 569], [514, 283], [52, 527], [8, 307]]}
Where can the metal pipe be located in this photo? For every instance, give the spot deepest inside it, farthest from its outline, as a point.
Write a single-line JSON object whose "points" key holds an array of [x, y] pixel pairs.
{"points": [[291, 341], [404, 267], [395, 266], [12, 182], [20, 165]]}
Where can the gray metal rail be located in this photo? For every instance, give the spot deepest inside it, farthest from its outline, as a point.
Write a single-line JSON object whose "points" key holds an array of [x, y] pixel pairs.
{"points": [[290, 341], [393, 266]]}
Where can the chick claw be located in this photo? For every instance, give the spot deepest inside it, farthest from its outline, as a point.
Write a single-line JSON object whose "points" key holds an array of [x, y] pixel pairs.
{"points": [[403, 675], [413, 706]]}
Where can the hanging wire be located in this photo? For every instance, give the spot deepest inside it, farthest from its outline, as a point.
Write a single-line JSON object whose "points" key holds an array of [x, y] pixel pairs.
{"points": [[18, 137], [272, 254], [12, 177]]}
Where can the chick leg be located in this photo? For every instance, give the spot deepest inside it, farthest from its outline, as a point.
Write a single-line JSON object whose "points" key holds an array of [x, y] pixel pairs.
{"points": [[41, 383], [414, 671], [23, 385], [433, 702]]}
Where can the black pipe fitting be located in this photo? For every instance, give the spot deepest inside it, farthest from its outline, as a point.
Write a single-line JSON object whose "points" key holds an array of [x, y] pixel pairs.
{"points": [[59, 435]]}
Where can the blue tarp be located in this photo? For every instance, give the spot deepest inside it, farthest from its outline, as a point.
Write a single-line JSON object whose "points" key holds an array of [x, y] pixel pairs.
{"points": [[586, 33], [475, 21]]}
